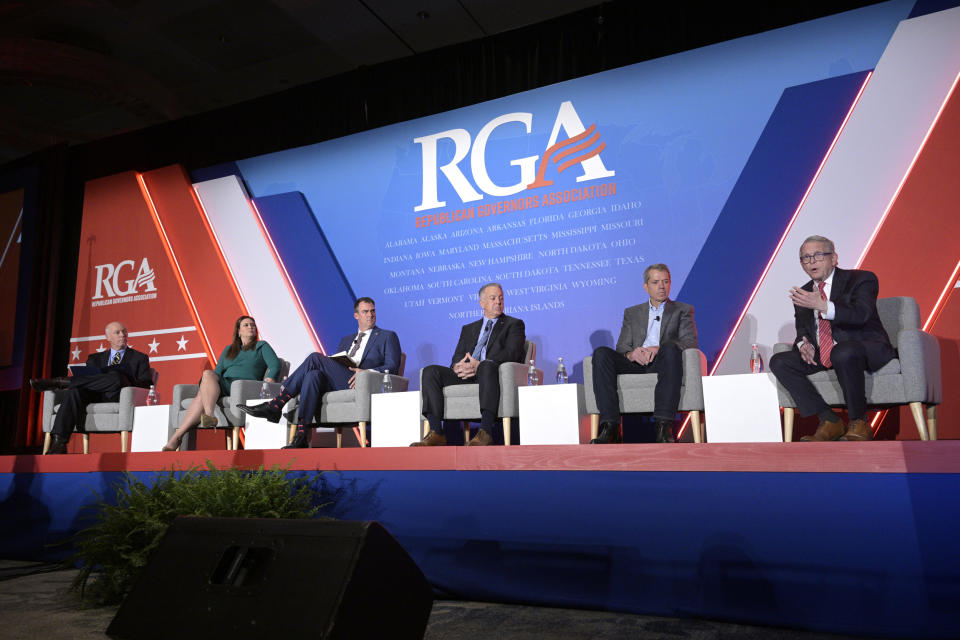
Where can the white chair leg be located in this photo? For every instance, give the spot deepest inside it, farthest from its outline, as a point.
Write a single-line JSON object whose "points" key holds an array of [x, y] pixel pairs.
{"points": [[697, 426], [124, 441], [86, 443], [506, 431], [916, 408], [426, 428], [788, 414], [932, 421], [339, 436], [291, 431], [594, 425], [46, 442], [466, 431], [236, 438]]}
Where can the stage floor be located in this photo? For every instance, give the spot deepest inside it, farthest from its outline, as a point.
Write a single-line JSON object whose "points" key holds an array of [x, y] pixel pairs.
{"points": [[942, 456]]}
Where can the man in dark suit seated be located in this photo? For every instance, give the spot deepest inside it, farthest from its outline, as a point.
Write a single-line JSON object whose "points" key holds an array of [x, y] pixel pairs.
{"points": [[371, 348], [119, 366], [652, 339], [484, 345], [838, 328]]}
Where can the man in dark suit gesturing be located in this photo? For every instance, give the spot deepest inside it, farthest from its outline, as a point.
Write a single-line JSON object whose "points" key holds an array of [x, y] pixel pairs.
{"points": [[484, 345], [120, 366], [652, 340], [838, 328], [371, 348]]}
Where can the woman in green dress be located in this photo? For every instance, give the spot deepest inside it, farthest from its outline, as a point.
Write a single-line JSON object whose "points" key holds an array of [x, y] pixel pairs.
{"points": [[245, 359]]}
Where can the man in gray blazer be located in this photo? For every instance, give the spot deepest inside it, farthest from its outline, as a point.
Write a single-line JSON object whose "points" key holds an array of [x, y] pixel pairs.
{"points": [[652, 339]]}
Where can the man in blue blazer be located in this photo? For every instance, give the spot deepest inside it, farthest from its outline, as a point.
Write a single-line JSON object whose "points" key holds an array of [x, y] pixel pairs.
{"points": [[371, 348]]}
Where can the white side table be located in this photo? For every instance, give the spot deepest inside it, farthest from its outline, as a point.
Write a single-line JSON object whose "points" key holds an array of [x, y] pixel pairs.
{"points": [[260, 433], [553, 414], [742, 408], [395, 419], [151, 426]]}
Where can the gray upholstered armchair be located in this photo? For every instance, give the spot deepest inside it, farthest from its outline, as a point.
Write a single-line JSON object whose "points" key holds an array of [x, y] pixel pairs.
{"points": [[351, 407], [227, 412], [99, 416], [911, 378], [635, 391], [462, 401]]}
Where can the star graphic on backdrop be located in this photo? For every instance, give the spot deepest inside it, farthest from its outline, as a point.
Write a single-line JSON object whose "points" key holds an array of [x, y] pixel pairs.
{"points": [[182, 344], [76, 354], [100, 348], [153, 346]]}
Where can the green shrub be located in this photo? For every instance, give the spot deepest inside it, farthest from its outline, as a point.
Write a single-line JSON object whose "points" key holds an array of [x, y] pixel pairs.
{"points": [[129, 528]]}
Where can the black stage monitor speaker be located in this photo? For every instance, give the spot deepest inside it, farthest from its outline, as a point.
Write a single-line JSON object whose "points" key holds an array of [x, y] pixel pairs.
{"points": [[268, 578]]}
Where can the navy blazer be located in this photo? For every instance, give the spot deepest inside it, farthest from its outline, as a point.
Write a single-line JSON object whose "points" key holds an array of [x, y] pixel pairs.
{"points": [[507, 343], [854, 297], [135, 366], [382, 352]]}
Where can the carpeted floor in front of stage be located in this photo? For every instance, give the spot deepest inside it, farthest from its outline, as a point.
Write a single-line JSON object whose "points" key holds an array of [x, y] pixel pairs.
{"points": [[37, 604]]}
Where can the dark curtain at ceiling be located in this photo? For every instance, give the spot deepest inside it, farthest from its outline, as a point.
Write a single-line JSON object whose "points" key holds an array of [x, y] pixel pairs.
{"points": [[590, 41]]}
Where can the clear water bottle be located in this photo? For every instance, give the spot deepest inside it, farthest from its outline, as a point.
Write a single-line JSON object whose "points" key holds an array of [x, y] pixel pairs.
{"points": [[756, 361], [152, 398], [532, 379], [265, 391], [387, 385], [561, 372]]}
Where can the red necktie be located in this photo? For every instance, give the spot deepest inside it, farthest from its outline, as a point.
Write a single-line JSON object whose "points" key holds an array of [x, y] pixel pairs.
{"points": [[826, 333]]}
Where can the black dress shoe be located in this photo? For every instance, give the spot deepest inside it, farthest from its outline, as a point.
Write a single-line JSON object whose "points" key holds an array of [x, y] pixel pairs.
{"points": [[665, 431], [57, 445], [49, 384], [300, 440], [609, 434], [263, 410]]}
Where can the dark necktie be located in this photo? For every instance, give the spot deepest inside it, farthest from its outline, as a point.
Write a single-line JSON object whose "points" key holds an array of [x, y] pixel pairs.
{"points": [[482, 343], [116, 358], [826, 333], [356, 344]]}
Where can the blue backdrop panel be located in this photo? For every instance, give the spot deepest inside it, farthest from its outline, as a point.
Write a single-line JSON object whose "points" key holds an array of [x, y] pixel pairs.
{"points": [[674, 136], [314, 270], [765, 197], [858, 553]]}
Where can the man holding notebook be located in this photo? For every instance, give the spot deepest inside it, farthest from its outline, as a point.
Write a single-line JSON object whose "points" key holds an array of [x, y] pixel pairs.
{"points": [[371, 348], [105, 374]]}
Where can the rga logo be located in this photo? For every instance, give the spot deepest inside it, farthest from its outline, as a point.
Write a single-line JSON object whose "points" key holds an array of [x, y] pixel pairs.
{"points": [[580, 147], [109, 279]]}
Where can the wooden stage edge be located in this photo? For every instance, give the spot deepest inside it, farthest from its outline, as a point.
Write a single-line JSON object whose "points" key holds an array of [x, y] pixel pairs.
{"points": [[827, 457]]}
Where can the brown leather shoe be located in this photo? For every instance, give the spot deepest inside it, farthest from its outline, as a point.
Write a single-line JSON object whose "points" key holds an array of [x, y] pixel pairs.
{"points": [[482, 439], [827, 430], [858, 431], [432, 439]]}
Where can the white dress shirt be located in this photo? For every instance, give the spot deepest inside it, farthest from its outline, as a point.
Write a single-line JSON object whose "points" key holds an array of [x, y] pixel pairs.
{"points": [[358, 356]]}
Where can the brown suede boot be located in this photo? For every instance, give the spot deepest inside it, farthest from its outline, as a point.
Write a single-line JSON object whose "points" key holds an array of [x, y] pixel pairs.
{"points": [[827, 430], [432, 439], [858, 431]]}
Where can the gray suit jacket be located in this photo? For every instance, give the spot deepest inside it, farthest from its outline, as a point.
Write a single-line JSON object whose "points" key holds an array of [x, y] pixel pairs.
{"points": [[676, 325]]}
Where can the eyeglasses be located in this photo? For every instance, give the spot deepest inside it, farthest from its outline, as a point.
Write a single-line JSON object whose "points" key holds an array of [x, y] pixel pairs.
{"points": [[816, 257]]}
